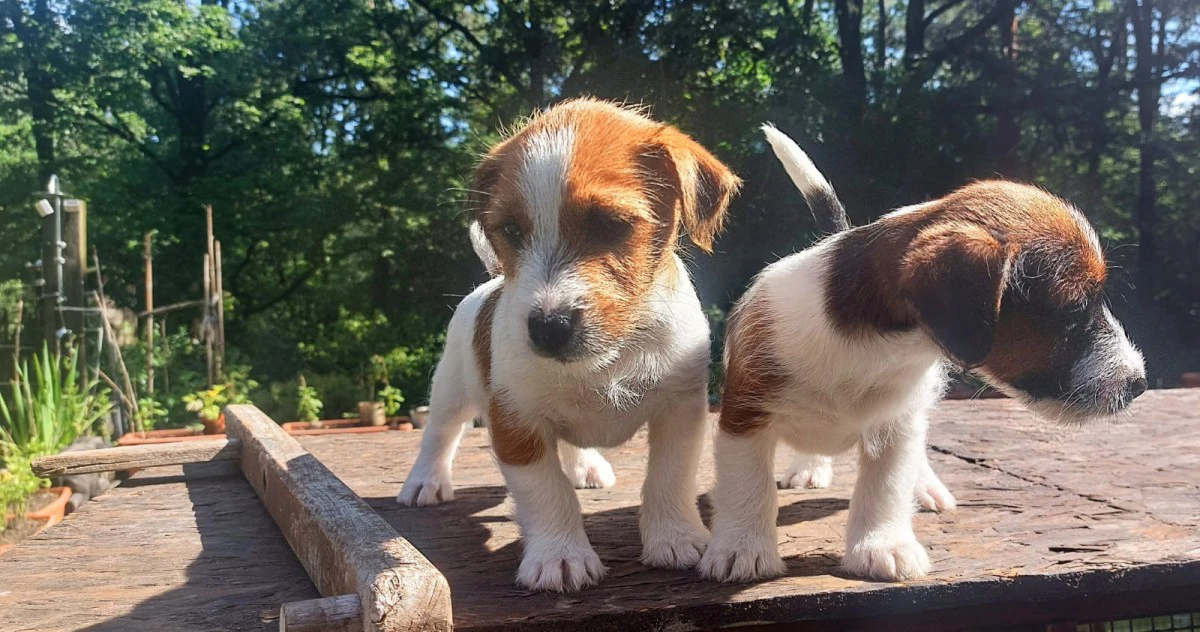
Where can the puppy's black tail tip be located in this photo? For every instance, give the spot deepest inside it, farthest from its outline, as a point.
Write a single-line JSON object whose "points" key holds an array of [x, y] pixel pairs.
{"points": [[822, 200]]}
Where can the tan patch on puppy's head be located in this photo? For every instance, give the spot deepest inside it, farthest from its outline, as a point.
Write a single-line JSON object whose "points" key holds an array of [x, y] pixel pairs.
{"points": [[584, 206]]}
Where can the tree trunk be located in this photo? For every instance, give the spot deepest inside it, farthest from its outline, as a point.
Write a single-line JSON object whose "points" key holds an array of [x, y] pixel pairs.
{"points": [[854, 75], [880, 48], [1007, 135], [914, 33], [33, 31], [535, 50], [1148, 84]]}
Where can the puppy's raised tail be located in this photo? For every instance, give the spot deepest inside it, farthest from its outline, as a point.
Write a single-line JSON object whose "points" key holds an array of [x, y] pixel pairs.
{"points": [[483, 250], [826, 208]]}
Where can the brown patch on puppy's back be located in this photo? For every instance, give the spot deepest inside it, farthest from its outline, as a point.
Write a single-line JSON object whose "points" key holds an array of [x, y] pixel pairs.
{"points": [[863, 290], [753, 374]]}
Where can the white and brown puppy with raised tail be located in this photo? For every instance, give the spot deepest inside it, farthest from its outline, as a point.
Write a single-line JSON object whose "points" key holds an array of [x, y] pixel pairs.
{"points": [[845, 345], [591, 330]]}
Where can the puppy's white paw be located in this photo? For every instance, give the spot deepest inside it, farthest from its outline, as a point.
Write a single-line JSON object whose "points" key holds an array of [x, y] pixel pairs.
{"points": [[590, 471], [808, 471], [934, 496], [424, 488], [561, 567], [741, 559], [677, 545], [887, 559]]}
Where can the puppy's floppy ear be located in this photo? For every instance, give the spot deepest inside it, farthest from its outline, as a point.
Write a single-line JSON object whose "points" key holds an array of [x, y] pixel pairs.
{"points": [[483, 183], [702, 185], [954, 275]]}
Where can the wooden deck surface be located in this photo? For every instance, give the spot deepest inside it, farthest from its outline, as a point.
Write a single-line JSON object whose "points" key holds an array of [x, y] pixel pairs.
{"points": [[1051, 520], [166, 550]]}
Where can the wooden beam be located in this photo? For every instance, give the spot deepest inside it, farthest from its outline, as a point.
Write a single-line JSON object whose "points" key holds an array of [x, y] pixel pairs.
{"points": [[330, 614], [136, 457], [342, 543]]}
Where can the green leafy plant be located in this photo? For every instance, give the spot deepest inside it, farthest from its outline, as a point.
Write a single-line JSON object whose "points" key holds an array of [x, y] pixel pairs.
{"points": [[308, 402], [208, 402], [150, 413], [17, 484], [236, 389], [48, 407], [392, 399]]}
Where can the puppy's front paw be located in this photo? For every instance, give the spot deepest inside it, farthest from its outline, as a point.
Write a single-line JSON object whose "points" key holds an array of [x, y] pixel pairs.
{"points": [[934, 496], [677, 545], [424, 488], [887, 559], [812, 472], [741, 559], [560, 568], [591, 471]]}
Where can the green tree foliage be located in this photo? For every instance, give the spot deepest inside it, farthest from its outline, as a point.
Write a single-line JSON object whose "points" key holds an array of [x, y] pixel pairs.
{"points": [[334, 140]]}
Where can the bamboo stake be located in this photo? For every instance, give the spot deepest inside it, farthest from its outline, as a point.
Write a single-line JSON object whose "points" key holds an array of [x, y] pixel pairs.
{"points": [[17, 334], [102, 303], [219, 289], [149, 317], [166, 371], [207, 320]]}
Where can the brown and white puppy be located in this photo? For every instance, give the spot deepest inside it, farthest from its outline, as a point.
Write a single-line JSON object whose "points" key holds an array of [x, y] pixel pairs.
{"points": [[590, 330], [846, 344]]}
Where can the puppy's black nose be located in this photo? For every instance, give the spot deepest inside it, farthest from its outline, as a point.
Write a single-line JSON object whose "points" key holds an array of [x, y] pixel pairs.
{"points": [[1135, 387], [551, 333]]}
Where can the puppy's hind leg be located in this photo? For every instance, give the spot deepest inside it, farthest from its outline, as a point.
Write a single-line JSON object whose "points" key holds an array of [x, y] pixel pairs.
{"points": [[880, 543], [931, 492], [812, 471], [586, 467], [429, 481]]}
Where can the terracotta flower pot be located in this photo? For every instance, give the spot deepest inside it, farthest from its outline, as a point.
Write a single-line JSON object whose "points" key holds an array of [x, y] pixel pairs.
{"points": [[167, 436], [214, 427], [1190, 379], [157, 436], [52, 513], [400, 423], [337, 431], [325, 424], [371, 414]]}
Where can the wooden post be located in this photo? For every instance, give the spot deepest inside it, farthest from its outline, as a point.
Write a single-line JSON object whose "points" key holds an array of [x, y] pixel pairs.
{"points": [[329, 614], [149, 316], [343, 544], [74, 272]]}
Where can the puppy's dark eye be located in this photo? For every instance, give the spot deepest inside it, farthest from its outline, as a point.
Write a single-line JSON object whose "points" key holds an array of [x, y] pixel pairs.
{"points": [[512, 233], [608, 229]]}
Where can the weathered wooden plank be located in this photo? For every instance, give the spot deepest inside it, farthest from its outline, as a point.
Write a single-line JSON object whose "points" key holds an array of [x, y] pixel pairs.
{"points": [[185, 549], [136, 457], [330, 614], [344, 545]]}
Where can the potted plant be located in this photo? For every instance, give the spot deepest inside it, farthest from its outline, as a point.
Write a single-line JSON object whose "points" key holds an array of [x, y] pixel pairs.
{"points": [[392, 399], [208, 405], [308, 404], [47, 409]]}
